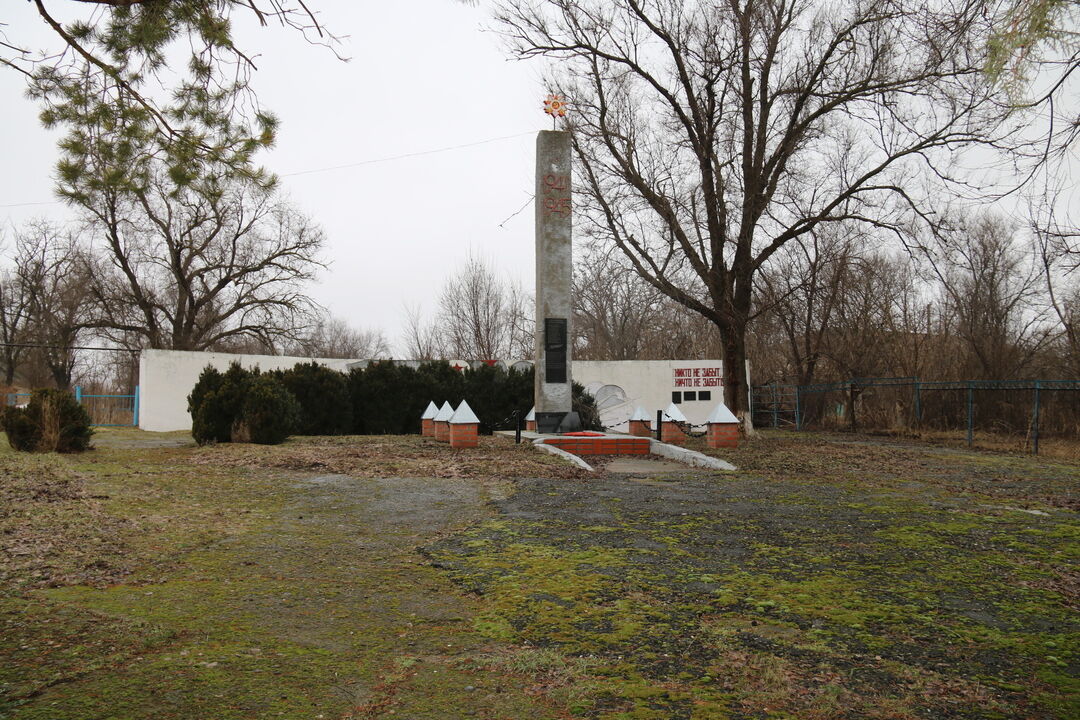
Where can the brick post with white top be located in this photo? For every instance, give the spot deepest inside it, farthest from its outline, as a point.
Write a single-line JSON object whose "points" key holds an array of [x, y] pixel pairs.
{"points": [[723, 428], [639, 423], [670, 432], [464, 427], [442, 422], [427, 420]]}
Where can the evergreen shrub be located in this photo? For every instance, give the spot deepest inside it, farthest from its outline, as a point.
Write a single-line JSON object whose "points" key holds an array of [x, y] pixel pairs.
{"points": [[53, 421], [269, 413], [584, 404], [384, 398], [325, 402], [388, 398], [216, 401], [241, 405]]}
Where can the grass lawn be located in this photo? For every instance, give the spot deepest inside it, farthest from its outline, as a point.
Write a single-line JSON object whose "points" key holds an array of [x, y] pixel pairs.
{"points": [[346, 578]]}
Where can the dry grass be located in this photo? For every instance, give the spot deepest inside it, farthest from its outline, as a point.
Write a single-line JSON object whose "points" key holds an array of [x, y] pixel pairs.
{"points": [[376, 456], [52, 532]]}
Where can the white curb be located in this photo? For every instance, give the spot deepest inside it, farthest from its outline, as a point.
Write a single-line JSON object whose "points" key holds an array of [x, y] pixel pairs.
{"points": [[563, 454], [690, 457]]}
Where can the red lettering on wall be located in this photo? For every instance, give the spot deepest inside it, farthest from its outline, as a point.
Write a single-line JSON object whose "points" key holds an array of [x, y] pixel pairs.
{"points": [[697, 377]]}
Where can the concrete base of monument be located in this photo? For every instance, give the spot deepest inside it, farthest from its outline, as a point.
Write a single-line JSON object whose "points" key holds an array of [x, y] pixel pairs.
{"points": [[578, 446]]}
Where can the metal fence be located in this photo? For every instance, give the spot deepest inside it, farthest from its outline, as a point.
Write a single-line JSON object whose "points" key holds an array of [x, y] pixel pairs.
{"points": [[104, 410], [1028, 409]]}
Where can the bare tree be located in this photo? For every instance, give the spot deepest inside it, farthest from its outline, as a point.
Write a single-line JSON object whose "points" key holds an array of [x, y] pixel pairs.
{"points": [[613, 310], [710, 135], [619, 316], [802, 288], [333, 337], [862, 331], [420, 340], [483, 316], [55, 273], [187, 267], [1059, 258], [15, 304], [992, 291]]}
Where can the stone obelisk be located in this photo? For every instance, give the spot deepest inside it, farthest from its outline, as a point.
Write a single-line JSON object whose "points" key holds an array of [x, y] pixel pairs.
{"points": [[554, 271]]}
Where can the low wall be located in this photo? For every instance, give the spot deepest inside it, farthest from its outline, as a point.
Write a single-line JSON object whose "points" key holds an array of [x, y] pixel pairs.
{"points": [[166, 378], [651, 384]]}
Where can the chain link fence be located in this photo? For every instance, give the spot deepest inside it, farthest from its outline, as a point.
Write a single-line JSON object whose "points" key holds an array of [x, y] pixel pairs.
{"points": [[1020, 413]]}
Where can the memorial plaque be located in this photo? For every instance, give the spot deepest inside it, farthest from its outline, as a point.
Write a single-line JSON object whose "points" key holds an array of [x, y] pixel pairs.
{"points": [[555, 350]]}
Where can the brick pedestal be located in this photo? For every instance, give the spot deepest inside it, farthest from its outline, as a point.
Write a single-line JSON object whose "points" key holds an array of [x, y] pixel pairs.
{"points": [[672, 434], [530, 425], [427, 427], [442, 431], [723, 435], [640, 428], [604, 445], [464, 435]]}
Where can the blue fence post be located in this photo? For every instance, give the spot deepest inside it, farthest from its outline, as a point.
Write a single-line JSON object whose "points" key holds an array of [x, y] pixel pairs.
{"points": [[135, 412], [971, 407], [1035, 422], [78, 394]]}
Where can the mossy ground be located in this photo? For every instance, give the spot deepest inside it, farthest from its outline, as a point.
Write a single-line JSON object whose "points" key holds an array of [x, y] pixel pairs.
{"points": [[828, 578], [235, 592]]}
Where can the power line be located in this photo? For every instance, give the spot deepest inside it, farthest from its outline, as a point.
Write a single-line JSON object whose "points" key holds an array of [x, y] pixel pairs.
{"points": [[518, 211], [407, 155], [67, 347], [50, 202], [358, 163]]}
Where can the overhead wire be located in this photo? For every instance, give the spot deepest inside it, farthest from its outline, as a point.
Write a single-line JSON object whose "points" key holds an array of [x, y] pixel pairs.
{"points": [[358, 163]]}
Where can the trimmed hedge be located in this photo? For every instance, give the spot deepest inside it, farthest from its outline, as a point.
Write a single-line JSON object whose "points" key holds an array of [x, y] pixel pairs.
{"points": [[389, 398], [53, 421], [270, 412], [384, 398], [323, 394], [241, 405]]}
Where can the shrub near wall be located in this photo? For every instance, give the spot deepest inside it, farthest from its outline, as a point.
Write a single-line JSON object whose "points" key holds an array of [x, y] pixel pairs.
{"points": [[270, 412], [323, 394], [241, 405], [216, 401], [389, 398], [53, 421], [383, 399], [495, 394]]}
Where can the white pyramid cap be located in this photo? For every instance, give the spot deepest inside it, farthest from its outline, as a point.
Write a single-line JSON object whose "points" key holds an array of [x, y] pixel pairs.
{"points": [[722, 415], [430, 411], [674, 414], [531, 417], [445, 413], [640, 414], [464, 415]]}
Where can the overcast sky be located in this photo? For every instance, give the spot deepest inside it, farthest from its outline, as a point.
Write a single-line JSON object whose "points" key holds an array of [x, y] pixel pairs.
{"points": [[422, 76]]}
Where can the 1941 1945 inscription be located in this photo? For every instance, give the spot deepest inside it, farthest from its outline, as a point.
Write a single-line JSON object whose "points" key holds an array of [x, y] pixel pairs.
{"points": [[555, 198]]}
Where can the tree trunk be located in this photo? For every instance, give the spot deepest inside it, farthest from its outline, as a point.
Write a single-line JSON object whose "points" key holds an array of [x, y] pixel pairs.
{"points": [[733, 342]]}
